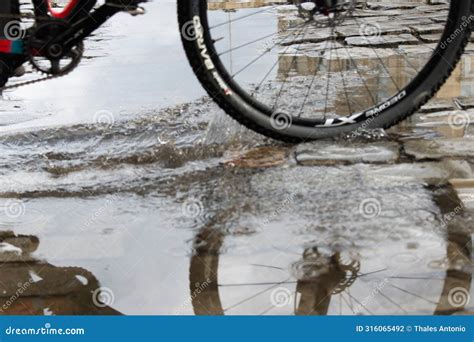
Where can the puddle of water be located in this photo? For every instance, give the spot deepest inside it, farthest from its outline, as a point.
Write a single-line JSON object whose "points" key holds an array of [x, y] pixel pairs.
{"points": [[181, 211], [234, 243]]}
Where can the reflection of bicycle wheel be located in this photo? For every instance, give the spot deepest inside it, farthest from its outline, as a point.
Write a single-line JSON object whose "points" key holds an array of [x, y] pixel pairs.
{"points": [[375, 280], [313, 70]]}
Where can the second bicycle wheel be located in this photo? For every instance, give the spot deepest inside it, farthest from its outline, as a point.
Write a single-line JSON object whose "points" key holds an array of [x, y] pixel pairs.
{"points": [[301, 70]]}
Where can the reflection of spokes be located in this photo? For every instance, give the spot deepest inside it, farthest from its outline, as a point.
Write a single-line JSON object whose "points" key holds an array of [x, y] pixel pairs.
{"points": [[328, 283]]}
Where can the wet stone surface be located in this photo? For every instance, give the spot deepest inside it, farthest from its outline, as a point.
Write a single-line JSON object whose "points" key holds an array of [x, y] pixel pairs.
{"points": [[459, 148], [182, 211], [350, 153]]}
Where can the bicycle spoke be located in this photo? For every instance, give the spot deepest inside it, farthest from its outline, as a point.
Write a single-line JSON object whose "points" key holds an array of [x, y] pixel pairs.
{"points": [[263, 54], [253, 296], [383, 64], [268, 266], [391, 301], [243, 17], [328, 78], [344, 83], [255, 41], [273, 66], [275, 104], [311, 84], [412, 293], [347, 303], [359, 303], [360, 75]]}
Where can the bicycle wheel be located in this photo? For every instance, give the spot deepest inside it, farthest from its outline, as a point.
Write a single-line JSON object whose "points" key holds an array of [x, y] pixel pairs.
{"points": [[299, 70]]}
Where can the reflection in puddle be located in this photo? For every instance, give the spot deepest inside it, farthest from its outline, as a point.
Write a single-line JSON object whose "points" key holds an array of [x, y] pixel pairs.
{"points": [[324, 280], [32, 287]]}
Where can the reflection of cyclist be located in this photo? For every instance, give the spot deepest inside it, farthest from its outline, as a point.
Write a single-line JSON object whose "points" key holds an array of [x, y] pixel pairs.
{"points": [[11, 46], [33, 287], [320, 276]]}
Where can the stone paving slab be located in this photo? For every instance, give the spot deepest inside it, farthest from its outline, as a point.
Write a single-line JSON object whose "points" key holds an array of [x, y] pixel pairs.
{"points": [[465, 102], [328, 153], [458, 119], [434, 173], [459, 148], [437, 105]]}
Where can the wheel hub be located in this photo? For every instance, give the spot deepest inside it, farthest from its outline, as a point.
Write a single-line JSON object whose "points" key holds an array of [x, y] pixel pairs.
{"points": [[325, 13]]}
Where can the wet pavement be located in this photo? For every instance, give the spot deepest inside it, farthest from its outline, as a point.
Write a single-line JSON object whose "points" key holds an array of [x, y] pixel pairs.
{"points": [[161, 204]]}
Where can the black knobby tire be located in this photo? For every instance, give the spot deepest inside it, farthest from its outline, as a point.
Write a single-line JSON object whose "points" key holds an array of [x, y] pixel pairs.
{"points": [[239, 105]]}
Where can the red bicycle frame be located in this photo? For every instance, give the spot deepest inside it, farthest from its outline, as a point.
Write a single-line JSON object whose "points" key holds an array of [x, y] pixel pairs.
{"points": [[73, 8], [65, 12]]}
